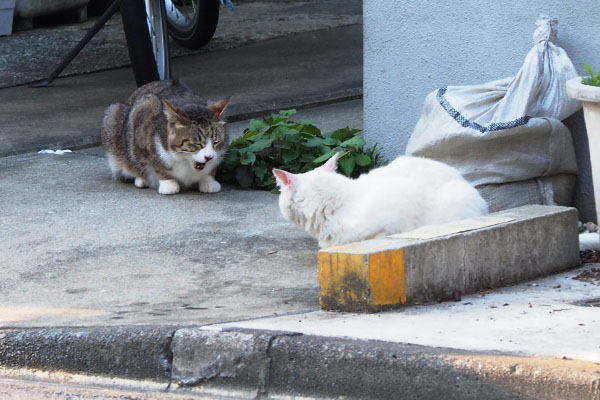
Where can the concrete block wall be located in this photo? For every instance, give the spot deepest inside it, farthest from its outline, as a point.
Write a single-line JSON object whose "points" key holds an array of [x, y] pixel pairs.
{"points": [[412, 48]]}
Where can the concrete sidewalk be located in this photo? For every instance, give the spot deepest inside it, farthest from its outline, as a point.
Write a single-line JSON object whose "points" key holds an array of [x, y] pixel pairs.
{"points": [[215, 295]]}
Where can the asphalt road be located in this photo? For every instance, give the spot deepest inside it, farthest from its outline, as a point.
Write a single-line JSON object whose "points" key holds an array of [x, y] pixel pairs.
{"points": [[19, 389]]}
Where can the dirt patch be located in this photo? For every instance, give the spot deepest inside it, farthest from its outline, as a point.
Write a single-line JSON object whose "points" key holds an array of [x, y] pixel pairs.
{"points": [[591, 275], [589, 256]]}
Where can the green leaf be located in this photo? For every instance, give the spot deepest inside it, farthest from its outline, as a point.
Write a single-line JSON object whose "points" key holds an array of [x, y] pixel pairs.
{"points": [[307, 158], [307, 167], [589, 69], [324, 157], [347, 164], [231, 157], [282, 144], [355, 142], [325, 149], [331, 141], [278, 142], [344, 134], [247, 158], [287, 113], [593, 80], [293, 166], [312, 130], [313, 142], [247, 135], [280, 131], [268, 182], [286, 124], [289, 155], [260, 171], [256, 124], [259, 145], [292, 136], [362, 159]]}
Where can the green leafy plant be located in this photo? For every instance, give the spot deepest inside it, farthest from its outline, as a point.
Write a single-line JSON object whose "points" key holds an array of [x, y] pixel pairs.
{"points": [[278, 142], [593, 80]]}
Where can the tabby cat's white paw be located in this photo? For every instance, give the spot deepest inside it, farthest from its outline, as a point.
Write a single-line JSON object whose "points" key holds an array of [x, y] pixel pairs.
{"points": [[141, 183], [211, 186], [168, 187]]}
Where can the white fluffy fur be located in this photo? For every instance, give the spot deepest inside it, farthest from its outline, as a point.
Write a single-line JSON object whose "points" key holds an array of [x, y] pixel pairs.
{"points": [[408, 193]]}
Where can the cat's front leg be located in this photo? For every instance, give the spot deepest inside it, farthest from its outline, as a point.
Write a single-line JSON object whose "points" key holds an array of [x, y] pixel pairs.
{"points": [[140, 183], [168, 186], [208, 184]]}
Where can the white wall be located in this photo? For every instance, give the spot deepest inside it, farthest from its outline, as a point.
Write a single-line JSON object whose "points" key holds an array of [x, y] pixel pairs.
{"points": [[414, 47]]}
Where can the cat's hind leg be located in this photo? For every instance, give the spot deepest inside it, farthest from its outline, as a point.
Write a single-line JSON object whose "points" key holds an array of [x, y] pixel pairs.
{"points": [[113, 141], [117, 170]]}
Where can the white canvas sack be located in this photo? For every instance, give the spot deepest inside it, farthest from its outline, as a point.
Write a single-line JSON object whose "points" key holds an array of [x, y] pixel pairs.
{"points": [[506, 137]]}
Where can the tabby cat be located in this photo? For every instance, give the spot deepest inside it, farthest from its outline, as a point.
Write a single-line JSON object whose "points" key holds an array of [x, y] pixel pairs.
{"points": [[166, 137]]}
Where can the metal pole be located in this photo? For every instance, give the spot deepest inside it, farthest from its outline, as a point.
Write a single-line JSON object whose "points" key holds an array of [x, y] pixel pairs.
{"points": [[110, 11]]}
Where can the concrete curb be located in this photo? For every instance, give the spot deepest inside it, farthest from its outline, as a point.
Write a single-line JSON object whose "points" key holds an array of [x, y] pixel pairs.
{"points": [[441, 262], [282, 365], [241, 112], [131, 352]]}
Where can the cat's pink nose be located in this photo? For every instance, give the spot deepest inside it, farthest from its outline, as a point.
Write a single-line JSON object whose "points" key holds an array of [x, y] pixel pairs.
{"points": [[208, 158]]}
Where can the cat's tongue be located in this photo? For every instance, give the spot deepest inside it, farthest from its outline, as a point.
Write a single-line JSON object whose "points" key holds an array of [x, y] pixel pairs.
{"points": [[199, 166]]}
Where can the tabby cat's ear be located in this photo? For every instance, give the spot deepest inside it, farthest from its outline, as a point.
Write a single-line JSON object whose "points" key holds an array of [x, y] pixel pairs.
{"points": [[331, 164], [175, 115], [284, 178], [218, 108]]}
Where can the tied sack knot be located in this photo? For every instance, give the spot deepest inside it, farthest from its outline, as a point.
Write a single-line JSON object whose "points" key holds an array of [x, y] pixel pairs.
{"points": [[547, 29]]}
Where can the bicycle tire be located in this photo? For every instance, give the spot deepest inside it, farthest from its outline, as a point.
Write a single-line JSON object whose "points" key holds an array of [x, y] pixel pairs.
{"points": [[157, 28], [138, 40], [201, 27]]}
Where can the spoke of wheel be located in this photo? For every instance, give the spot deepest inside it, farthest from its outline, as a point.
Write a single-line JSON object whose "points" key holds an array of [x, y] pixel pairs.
{"points": [[158, 35], [181, 13]]}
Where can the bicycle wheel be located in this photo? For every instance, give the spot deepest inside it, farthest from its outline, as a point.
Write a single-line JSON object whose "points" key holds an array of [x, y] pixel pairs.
{"points": [[192, 22], [138, 40], [155, 14]]}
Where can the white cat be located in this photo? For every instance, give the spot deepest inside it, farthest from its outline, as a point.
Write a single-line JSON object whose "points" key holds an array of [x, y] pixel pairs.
{"points": [[408, 193]]}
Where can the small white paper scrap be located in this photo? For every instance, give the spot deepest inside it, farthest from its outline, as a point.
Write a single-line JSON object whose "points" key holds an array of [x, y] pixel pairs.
{"points": [[59, 152], [464, 225]]}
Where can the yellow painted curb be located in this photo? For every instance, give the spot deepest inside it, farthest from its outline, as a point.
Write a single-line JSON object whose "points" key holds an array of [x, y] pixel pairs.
{"points": [[443, 262], [361, 282]]}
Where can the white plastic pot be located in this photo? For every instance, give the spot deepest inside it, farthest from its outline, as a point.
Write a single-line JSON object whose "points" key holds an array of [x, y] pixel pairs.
{"points": [[590, 97]]}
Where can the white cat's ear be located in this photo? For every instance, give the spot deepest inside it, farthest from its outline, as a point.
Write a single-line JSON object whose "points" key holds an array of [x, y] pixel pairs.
{"points": [[284, 178], [331, 164], [218, 108], [175, 115]]}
